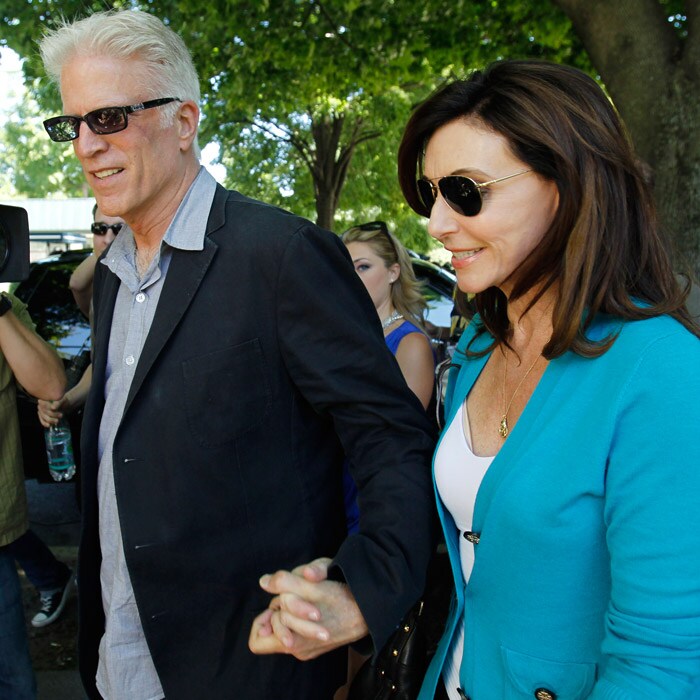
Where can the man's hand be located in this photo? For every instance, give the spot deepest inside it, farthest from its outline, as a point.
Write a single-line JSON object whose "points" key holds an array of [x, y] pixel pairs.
{"points": [[50, 412], [309, 615]]}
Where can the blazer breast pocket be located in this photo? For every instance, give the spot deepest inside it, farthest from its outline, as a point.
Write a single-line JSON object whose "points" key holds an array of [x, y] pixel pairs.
{"points": [[227, 393], [528, 677]]}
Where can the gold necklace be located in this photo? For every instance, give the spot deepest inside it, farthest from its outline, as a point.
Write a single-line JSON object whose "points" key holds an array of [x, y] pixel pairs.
{"points": [[503, 428]]}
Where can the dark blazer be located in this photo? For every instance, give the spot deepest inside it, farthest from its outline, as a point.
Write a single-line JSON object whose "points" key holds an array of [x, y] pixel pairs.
{"points": [[265, 354]]}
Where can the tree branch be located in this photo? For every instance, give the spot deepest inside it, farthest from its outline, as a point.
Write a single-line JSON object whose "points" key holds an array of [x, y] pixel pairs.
{"points": [[289, 136], [334, 25]]}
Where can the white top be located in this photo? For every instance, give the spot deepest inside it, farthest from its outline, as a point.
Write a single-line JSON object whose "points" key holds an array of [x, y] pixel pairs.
{"points": [[458, 475]]}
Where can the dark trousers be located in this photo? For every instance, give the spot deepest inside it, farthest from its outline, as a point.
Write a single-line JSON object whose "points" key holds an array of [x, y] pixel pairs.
{"points": [[45, 572], [16, 673]]}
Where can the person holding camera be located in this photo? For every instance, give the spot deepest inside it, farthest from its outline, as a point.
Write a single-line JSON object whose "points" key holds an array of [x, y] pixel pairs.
{"points": [[28, 360]]}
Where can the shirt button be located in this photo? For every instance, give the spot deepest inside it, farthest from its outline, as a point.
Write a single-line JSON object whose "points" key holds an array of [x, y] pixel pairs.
{"points": [[544, 694], [130, 360], [472, 537], [140, 297]]}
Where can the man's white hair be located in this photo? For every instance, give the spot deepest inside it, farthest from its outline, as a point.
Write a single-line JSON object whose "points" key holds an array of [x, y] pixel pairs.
{"points": [[168, 70]]}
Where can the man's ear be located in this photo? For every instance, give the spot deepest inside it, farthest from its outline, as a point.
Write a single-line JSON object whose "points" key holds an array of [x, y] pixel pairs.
{"points": [[187, 121]]}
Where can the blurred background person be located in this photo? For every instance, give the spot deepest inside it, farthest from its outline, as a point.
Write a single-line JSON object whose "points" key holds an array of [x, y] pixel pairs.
{"points": [[53, 580], [26, 359], [384, 267], [104, 230], [567, 474]]}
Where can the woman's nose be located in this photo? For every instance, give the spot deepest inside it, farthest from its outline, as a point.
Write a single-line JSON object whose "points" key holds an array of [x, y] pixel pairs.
{"points": [[442, 219]]}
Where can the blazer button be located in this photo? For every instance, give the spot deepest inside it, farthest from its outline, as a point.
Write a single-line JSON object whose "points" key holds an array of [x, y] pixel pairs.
{"points": [[472, 537], [544, 694]]}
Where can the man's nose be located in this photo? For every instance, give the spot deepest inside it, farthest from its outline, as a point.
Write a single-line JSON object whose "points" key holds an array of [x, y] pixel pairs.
{"points": [[88, 143]]}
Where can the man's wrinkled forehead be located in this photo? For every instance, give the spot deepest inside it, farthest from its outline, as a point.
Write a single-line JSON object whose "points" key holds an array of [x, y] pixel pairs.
{"points": [[90, 81]]}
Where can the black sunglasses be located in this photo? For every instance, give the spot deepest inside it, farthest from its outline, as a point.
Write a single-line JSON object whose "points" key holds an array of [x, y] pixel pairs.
{"points": [[100, 229], [378, 226], [107, 120], [462, 194]]}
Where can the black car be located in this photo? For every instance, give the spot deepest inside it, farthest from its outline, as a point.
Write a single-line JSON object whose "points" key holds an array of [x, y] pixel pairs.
{"points": [[59, 321], [438, 286]]}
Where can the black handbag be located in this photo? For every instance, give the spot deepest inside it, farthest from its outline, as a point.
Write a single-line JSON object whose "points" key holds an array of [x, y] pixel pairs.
{"points": [[398, 671]]}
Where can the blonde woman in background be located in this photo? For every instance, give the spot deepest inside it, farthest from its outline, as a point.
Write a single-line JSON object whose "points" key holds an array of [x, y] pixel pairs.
{"points": [[385, 269], [384, 266]]}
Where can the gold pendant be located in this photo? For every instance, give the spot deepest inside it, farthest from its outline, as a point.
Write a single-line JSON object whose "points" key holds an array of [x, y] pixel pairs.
{"points": [[503, 429]]}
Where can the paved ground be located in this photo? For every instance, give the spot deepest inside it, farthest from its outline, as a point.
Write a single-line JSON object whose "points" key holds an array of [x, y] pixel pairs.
{"points": [[54, 516]]}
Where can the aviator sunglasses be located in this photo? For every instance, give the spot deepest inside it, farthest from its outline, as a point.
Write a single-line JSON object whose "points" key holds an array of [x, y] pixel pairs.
{"points": [[100, 229], [107, 120], [462, 194]]}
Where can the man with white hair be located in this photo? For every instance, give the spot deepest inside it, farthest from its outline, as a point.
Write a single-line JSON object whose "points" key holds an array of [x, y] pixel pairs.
{"points": [[236, 351]]}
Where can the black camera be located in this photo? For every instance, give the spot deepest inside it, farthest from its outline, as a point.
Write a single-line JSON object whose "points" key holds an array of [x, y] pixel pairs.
{"points": [[14, 244]]}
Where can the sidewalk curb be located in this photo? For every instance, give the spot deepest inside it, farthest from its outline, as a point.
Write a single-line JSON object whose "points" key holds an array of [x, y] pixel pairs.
{"points": [[59, 685]]}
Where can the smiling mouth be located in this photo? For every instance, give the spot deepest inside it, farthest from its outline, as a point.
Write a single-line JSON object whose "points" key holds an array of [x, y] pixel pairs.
{"points": [[101, 174], [466, 254]]}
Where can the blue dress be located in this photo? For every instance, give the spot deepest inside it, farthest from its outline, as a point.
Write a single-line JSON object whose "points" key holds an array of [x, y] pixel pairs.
{"points": [[352, 510]]}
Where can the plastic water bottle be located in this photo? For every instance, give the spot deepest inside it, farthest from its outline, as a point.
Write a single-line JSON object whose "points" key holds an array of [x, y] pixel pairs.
{"points": [[59, 451]]}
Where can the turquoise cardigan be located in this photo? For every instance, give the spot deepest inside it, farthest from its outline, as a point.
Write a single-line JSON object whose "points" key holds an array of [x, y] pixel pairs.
{"points": [[586, 579]]}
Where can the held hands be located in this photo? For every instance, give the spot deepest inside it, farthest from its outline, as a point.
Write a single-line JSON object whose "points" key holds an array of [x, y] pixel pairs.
{"points": [[309, 615]]}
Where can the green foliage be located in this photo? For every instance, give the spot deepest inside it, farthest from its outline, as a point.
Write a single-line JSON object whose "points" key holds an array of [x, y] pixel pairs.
{"points": [[35, 165], [279, 77], [676, 15]]}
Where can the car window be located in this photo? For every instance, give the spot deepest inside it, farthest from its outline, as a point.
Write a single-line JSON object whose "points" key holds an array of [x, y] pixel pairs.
{"points": [[437, 291], [53, 309], [439, 307]]}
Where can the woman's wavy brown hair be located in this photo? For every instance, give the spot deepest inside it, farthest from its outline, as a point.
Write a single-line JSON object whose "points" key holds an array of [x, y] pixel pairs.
{"points": [[604, 251]]}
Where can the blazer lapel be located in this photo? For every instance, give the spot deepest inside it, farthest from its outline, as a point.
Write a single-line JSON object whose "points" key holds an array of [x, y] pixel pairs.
{"points": [[108, 296], [185, 274]]}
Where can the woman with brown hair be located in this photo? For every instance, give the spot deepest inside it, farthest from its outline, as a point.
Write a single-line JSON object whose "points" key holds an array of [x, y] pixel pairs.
{"points": [[567, 474]]}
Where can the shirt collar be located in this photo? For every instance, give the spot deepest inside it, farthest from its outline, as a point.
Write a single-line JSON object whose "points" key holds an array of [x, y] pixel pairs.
{"points": [[187, 229], [189, 225]]}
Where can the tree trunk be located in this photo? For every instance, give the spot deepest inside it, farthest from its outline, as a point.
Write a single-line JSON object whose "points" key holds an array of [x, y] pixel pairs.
{"points": [[652, 75], [331, 159], [326, 204], [326, 132]]}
